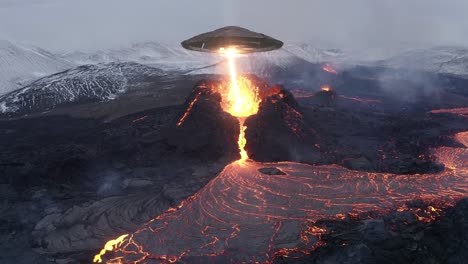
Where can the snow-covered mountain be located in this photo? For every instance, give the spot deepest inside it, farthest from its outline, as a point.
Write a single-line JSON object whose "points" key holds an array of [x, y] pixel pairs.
{"points": [[174, 57], [88, 83], [313, 54], [266, 64], [104, 75], [21, 64], [450, 60], [163, 56], [149, 52]]}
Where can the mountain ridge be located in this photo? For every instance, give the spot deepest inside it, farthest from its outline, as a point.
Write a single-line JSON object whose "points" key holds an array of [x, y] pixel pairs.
{"points": [[21, 64], [89, 83]]}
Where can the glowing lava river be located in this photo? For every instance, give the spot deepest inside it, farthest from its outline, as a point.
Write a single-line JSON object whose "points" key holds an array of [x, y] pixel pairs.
{"points": [[244, 215]]}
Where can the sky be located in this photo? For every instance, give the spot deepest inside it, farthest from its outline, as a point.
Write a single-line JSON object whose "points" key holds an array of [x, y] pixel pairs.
{"points": [[70, 25]]}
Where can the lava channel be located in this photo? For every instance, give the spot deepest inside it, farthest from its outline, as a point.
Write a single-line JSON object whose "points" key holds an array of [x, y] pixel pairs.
{"points": [[244, 215]]}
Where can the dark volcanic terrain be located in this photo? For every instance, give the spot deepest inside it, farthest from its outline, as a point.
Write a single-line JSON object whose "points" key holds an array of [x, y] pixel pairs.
{"points": [[75, 174]]}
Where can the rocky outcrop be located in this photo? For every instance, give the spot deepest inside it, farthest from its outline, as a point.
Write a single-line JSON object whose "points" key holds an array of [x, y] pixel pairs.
{"points": [[395, 238], [278, 132], [204, 129]]}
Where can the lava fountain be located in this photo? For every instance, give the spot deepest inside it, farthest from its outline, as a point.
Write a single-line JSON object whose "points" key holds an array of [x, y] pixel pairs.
{"points": [[241, 99]]}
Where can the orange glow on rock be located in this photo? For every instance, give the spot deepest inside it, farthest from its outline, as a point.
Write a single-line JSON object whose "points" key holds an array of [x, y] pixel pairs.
{"points": [[326, 88], [328, 68]]}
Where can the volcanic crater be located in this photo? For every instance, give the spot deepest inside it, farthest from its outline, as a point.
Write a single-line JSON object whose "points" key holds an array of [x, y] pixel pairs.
{"points": [[284, 130]]}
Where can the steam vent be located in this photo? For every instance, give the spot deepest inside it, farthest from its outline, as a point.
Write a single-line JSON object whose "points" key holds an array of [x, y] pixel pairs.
{"points": [[241, 39]]}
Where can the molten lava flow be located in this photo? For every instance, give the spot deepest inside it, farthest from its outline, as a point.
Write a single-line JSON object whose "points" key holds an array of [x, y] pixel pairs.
{"points": [[189, 109], [110, 245], [242, 140], [328, 68], [462, 138], [457, 111], [241, 99], [244, 215]]}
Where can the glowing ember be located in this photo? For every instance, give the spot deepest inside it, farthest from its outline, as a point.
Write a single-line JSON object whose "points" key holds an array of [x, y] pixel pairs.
{"points": [[328, 68], [326, 88], [140, 119], [300, 93]]}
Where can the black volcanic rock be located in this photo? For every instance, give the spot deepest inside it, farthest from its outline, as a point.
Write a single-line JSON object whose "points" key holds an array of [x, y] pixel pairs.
{"points": [[204, 129], [361, 163], [325, 97], [78, 182], [271, 171], [395, 238], [358, 139], [278, 131], [53, 162]]}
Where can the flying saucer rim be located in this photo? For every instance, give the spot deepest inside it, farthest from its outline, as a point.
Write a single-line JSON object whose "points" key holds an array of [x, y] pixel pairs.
{"points": [[243, 44]]}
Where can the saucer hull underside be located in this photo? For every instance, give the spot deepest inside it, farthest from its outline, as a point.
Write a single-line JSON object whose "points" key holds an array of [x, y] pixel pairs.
{"points": [[243, 40]]}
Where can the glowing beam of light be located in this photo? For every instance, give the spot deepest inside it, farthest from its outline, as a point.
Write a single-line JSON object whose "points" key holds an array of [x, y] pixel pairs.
{"points": [[235, 96], [236, 107]]}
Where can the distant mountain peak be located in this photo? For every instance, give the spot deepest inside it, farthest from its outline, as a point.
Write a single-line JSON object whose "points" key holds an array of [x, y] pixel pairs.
{"points": [[21, 64], [85, 83]]}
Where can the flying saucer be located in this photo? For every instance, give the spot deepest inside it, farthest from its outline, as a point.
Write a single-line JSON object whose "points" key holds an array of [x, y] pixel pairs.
{"points": [[232, 37]]}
